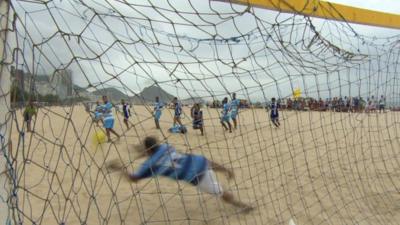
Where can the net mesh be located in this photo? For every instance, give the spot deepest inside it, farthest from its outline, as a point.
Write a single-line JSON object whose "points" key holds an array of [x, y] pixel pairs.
{"points": [[332, 161]]}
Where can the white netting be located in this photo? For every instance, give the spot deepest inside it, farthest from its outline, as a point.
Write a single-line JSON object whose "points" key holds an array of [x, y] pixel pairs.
{"points": [[332, 161]]}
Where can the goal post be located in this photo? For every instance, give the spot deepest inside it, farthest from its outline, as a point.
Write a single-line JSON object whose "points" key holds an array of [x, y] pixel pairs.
{"points": [[5, 121], [328, 10]]}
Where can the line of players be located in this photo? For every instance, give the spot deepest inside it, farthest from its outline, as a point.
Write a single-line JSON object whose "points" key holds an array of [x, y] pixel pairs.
{"points": [[230, 111]]}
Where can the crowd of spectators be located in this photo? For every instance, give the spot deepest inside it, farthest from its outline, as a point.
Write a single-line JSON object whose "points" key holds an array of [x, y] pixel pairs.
{"points": [[336, 104]]}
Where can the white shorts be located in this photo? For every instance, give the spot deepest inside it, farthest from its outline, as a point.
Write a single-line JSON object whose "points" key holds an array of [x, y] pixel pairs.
{"points": [[209, 183]]}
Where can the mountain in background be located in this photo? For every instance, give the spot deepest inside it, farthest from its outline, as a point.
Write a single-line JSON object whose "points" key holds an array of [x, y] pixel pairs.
{"points": [[147, 95], [150, 93], [113, 94]]}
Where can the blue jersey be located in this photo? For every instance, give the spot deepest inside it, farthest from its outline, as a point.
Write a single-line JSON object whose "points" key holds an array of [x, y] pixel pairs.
{"points": [[235, 103], [178, 109], [158, 106], [107, 110], [169, 163], [99, 108], [225, 113], [274, 110], [126, 110], [98, 112], [225, 109]]}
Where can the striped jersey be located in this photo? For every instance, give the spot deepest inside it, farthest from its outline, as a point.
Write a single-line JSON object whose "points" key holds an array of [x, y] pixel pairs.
{"points": [[166, 161], [107, 110], [225, 109], [235, 105], [99, 108], [158, 106], [98, 112], [178, 109]]}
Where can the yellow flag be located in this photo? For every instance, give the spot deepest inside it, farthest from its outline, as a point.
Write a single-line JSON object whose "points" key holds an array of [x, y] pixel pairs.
{"points": [[297, 93]]}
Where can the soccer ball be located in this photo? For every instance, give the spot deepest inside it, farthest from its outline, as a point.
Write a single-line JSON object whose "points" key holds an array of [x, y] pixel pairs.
{"points": [[99, 137]]}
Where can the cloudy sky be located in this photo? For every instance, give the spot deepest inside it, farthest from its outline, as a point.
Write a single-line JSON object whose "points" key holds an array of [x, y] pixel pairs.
{"points": [[207, 49]]}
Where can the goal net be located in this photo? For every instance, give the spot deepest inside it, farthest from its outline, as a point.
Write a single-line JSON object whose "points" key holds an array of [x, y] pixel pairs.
{"points": [[333, 159]]}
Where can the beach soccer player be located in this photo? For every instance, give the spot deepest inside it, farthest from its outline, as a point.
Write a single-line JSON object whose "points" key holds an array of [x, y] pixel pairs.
{"points": [[29, 112], [225, 117], [157, 112], [274, 112], [177, 112], [235, 104], [164, 160], [382, 104], [98, 112], [108, 118], [126, 112], [197, 116]]}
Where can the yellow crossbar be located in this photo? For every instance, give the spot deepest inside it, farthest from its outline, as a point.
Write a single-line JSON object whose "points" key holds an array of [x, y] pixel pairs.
{"points": [[327, 10]]}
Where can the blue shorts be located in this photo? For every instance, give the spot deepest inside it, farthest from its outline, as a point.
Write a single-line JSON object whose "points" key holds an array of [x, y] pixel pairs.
{"points": [[274, 116], [157, 115], [234, 114], [108, 123], [225, 118]]}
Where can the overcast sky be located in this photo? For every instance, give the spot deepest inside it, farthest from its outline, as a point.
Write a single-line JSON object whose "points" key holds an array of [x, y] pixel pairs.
{"points": [[207, 48]]}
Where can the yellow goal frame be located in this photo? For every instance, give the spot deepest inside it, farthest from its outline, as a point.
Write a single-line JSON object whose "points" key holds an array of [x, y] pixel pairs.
{"points": [[327, 10]]}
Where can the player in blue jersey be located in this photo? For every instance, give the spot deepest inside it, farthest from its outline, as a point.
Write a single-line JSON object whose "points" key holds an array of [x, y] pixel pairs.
{"points": [[108, 118], [157, 112], [235, 104], [98, 112], [126, 112], [164, 160], [177, 111], [274, 112], [225, 115], [197, 116]]}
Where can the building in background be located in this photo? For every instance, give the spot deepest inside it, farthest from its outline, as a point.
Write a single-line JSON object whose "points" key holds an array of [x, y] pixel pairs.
{"points": [[59, 84], [18, 78], [22, 80]]}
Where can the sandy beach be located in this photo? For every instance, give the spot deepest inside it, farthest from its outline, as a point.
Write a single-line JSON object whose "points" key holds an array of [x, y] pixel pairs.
{"points": [[318, 168]]}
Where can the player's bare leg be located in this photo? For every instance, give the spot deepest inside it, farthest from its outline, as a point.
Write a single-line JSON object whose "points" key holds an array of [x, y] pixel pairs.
{"points": [[126, 123], [234, 123], [157, 123], [228, 198], [230, 127], [177, 120]]}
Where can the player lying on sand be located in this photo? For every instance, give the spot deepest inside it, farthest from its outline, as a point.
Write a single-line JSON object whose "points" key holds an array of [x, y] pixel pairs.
{"points": [[164, 160]]}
